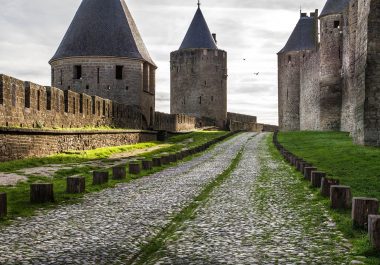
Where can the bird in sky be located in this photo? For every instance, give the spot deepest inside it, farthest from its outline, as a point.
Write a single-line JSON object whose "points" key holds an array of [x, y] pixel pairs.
{"points": [[256, 73]]}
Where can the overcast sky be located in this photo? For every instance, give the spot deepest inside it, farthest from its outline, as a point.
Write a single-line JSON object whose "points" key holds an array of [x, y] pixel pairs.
{"points": [[255, 30]]}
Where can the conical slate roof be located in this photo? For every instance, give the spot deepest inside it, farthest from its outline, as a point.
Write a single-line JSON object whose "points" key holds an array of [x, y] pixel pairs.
{"points": [[334, 7], [198, 34], [303, 36], [103, 28]]}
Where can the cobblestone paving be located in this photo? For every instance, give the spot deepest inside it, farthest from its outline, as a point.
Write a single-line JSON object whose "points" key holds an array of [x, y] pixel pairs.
{"points": [[109, 227], [259, 218]]}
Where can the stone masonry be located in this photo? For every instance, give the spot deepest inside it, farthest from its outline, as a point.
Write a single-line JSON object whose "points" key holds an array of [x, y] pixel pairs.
{"points": [[336, 84]]}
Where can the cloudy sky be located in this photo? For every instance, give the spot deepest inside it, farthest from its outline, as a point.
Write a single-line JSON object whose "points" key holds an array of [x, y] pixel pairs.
{"points": [[255, 30]]}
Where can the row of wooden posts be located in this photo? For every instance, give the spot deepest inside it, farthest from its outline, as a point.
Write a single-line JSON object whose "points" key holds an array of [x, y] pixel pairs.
{"points": [[365, 211], [44, 192]]}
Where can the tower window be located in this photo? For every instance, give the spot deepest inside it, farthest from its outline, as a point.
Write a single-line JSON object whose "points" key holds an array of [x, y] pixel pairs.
{"points": [[77, 72], [61, 78], [336, 24], [119, 72], [98, 76], [200, 100], [212, 98], [289, 59]]}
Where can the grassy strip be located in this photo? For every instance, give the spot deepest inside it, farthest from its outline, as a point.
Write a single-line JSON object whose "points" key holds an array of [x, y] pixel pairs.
{"points": [[355, 166], [150, 250], [18, 196]]}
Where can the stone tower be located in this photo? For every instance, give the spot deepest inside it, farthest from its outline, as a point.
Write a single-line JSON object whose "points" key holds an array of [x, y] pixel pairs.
{"points": [[331, 54], [103, 54], [199, 74], [303, 40]]}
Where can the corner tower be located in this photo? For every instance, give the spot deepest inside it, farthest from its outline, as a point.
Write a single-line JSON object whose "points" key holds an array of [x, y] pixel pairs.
{"points": [[303, 40], [331, 56], [102, 54], [199, 74]]}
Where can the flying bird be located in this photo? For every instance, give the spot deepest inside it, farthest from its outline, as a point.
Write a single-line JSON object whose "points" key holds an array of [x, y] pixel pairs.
{"points": [[256, 73]]}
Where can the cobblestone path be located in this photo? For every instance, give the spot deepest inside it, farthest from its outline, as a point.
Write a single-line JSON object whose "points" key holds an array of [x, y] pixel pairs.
{"points": [[262, 214], [110, 226]]}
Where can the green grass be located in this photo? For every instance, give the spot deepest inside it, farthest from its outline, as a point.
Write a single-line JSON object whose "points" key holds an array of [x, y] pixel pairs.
{"points": [[18, 196], [150, 251], [355, 166]]}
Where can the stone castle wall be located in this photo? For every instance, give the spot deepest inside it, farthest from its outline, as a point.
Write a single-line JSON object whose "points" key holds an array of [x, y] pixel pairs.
{"points": [[339, 83], [199, 83], [309, 92], [134, 87], [289, 97], [24, 143], [28, 105]]}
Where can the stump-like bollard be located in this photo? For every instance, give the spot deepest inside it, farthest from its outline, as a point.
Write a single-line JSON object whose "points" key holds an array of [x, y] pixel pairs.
{"points": [[165, 160], [374, 230], [303, 166], [134, 168], [361, 208], [157, 161], [307, 172], [119, 172], [340, 197], [316, 178], [41, 193], [326, 184], [173, 158], [299, 163], [99, 177], [75, 184], [3, 205], [147, 164], [179, 156]]}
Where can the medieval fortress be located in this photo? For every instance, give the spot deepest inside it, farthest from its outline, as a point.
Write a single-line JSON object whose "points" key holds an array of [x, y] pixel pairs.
{"points": [[102, 75], [329, 77]]}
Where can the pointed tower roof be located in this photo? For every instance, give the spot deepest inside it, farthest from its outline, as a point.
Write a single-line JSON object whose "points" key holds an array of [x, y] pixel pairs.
{"points": [[103, 28], [198, 34], [334, 7], [303, 36]]}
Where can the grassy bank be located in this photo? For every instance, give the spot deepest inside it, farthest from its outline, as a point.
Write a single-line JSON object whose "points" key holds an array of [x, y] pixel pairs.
{"points": [[18, 196], [355, 166]]}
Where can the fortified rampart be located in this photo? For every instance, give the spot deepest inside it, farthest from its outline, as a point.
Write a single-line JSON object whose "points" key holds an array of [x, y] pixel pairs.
{"points": [[339, 78]]}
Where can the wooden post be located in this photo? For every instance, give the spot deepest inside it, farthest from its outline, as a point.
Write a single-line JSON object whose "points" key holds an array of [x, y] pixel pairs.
{"points": [[303, 166], [119, 172], [3, 205], [374, 230], [134, 168], [316, 178], [157, 161], [179, 156], [173, 158], [75, 184], [326, 184], [307, 172], [147, 164], [41, 193], [361, 208], [340, 197], [99, 177], [165, 160]]}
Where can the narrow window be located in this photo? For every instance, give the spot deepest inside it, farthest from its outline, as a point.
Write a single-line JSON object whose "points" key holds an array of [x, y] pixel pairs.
{"points": [[87, 87], [212, 98], [200, 100], [38, 99], [119, 72], [77, 72], [289, 59], [98, 76], [336, 24], [48, 99], [61, 78]]}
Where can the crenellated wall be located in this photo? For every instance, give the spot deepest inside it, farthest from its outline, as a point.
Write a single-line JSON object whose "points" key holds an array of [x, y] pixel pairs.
{"points": [[25, 104]]}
